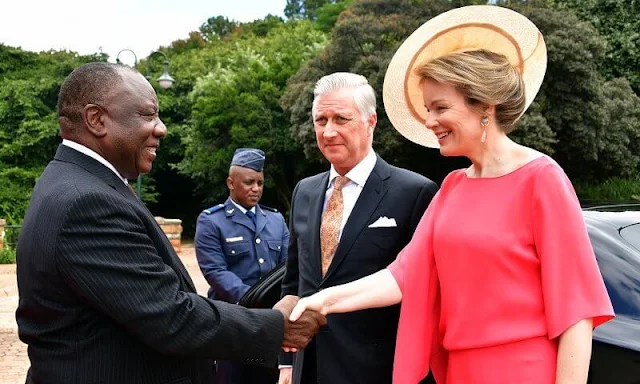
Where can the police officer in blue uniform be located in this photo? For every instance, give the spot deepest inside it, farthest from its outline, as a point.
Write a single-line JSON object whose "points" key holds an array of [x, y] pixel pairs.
{"points": [[238, 242]]}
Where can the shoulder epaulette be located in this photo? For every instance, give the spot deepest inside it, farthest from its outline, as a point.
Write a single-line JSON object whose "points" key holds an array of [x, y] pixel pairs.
{"points": [[268, 208], [213, 209]]}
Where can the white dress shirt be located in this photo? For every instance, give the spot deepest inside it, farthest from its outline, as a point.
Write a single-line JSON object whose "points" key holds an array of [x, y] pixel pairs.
{"points": [[357, 176], [82, 149]]}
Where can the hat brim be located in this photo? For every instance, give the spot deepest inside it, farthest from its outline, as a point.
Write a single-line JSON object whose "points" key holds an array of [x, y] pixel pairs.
{"points": [[489, 27]]}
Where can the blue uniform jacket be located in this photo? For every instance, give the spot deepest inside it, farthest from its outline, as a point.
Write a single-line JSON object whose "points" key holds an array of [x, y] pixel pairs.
{"points": [[232, 256]]}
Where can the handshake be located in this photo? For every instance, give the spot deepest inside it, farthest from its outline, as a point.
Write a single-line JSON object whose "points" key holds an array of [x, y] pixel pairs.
{"points": [[300, 327]]}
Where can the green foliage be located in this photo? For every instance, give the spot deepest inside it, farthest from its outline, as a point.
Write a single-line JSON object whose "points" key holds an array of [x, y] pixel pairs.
{"points": [[217, 27], [195, 41], [614, 189], [596, 123], [15, 191], [328, 14], [308, 9], [7, 255], [236, 104], [363, 41], [618, 23], [29, 85], [261, 27], [591, 126]]}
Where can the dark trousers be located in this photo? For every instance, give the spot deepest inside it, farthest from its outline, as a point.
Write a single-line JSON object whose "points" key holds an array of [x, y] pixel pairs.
{"points": [[309, 365], [234, 373]]}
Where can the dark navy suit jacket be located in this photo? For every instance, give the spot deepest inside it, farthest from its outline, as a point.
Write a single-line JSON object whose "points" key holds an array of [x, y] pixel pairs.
{"points": [[355, 347]]}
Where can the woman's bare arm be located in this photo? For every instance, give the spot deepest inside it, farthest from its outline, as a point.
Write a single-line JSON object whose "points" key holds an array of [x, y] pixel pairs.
{"points": [[374, 291]]}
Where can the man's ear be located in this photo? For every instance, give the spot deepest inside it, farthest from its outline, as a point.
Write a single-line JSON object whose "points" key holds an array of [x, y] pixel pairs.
{"points": [[371, 123], [94, 117], [230, 183]]}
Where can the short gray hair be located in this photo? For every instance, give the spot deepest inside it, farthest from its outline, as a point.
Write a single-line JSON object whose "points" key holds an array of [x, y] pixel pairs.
{"points": [[363, 94]]}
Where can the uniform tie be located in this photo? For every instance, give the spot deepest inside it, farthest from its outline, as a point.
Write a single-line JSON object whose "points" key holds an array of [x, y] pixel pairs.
{"points": [[252, 216], [330, 226]]}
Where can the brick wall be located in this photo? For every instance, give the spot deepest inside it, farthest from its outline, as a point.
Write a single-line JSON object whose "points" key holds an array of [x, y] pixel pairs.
{"points": [[173, 229]]}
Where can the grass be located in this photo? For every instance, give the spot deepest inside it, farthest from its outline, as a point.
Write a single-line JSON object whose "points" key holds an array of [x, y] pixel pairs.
{"points": [[614, 189]]}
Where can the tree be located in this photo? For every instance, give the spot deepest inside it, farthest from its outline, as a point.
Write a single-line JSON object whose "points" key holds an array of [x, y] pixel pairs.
{"points": [[305, 9], [327, 15], [217, 27], [574, 116], [236, 104], [363, 41], [595, 140], [618, 23], [261, 27], [29, 86]]}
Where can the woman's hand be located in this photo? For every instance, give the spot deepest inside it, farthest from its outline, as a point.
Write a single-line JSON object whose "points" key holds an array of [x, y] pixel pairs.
{"points": [[315, 302]]}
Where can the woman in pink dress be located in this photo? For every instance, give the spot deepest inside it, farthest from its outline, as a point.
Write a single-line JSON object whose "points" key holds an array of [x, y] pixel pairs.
{"points": [[499, 283]]}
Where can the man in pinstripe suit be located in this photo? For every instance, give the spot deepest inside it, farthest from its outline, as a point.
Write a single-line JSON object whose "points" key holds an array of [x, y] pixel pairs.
{"points": [[103, 296]]}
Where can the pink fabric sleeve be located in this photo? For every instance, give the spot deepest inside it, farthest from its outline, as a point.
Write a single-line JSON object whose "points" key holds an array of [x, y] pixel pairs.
{"points": [[572, 285], [418, 345]]}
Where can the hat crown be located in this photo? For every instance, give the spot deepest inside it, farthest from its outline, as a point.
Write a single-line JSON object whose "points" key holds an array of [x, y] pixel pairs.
{"points": [[252, 158], [474, 27]]}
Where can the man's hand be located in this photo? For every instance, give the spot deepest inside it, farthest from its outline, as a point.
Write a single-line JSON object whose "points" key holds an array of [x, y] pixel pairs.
{"points": [[297, 335], [285, 375]]}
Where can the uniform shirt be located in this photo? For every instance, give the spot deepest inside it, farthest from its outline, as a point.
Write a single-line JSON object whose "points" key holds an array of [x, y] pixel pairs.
{"points": [[232, 253]]}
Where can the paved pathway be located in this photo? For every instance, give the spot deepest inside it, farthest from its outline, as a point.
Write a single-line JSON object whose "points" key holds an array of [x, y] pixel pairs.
{"points": [[13, 353]]}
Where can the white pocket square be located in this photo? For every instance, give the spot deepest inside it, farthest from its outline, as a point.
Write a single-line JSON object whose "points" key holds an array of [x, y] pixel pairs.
{"points": [[384, 222]]}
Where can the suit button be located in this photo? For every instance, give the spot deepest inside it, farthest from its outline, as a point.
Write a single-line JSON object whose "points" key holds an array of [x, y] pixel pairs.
{"points": [[233, 252], [261, 260], [258, 241]]}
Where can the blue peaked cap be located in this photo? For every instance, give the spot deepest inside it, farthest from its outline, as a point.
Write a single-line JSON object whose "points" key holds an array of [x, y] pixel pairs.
{"points": [[249, 158]]}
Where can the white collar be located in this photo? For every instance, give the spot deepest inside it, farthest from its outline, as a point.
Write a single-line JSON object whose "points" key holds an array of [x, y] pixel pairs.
{"points": [[360, 173], [241, 208], [82, 149]]}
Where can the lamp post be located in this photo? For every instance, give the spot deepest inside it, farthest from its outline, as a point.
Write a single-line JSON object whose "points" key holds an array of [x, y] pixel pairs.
{"points": [[164, 81]]}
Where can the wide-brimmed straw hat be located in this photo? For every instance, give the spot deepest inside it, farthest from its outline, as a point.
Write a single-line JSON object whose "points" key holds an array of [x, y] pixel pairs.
{"points": [[489, 27]]}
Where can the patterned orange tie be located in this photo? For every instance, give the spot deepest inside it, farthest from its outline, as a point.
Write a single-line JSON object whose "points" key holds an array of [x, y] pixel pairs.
{"points": [[331, 220]]}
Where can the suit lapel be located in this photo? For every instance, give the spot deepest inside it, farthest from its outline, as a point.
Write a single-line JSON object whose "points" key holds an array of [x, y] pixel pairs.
{"points": [[316, 203], [93, 166], [374, 190]]}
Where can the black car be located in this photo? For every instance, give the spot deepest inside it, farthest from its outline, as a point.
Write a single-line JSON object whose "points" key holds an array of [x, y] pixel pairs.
{"points": [[615, 235], [614, 231]]}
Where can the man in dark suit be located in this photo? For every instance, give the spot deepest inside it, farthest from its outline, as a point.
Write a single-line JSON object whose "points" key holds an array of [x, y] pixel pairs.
{"points": [[237, 243], [103, 296], [345, 224]]}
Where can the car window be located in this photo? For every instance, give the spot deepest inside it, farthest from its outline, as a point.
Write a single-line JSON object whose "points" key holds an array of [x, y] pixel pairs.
{"points": [[632, 235]]}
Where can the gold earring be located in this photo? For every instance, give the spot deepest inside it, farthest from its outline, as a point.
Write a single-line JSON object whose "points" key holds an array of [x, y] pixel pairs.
{"points": [[484, 123]]}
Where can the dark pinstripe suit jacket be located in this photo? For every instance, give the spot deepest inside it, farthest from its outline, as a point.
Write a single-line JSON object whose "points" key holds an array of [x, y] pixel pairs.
{"points": [[105, 299]]}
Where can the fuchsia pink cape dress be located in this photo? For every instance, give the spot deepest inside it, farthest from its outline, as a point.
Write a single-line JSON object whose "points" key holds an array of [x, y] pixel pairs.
{"points": [[497, 269]]}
